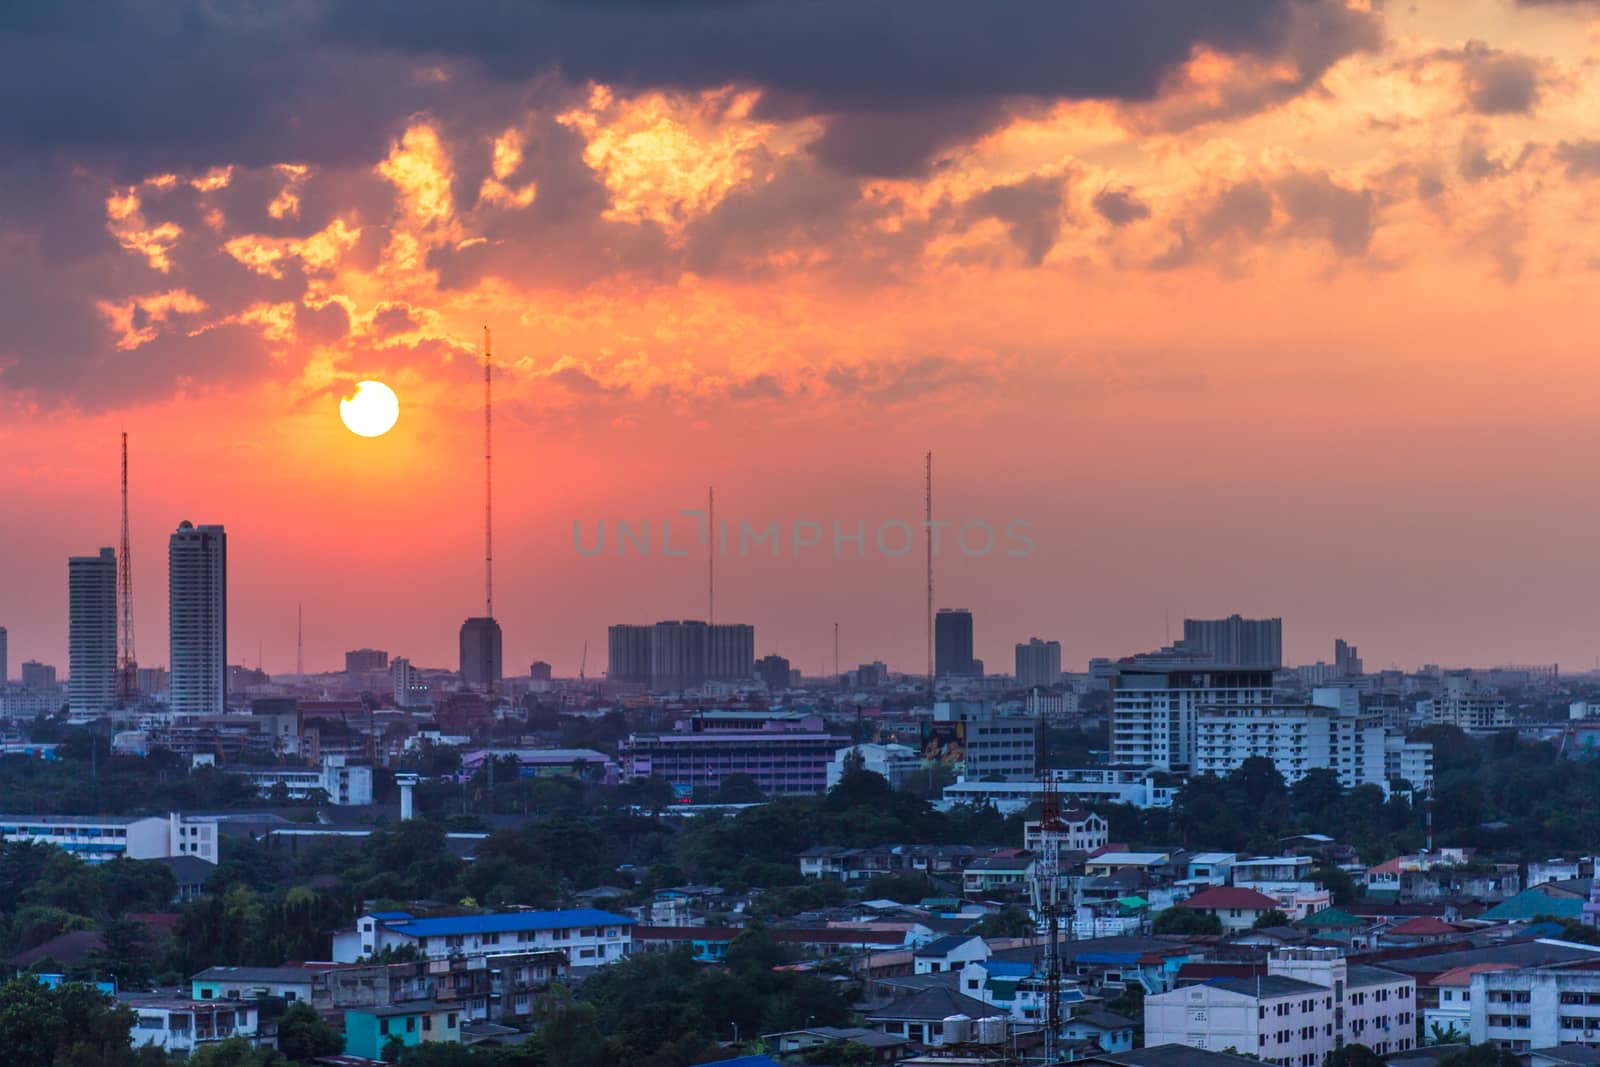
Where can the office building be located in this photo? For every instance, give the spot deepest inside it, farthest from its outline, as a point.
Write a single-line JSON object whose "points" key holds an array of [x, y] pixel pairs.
{"points": [[40, 677], [1346, 659], [101, 838], [952, 643], [1237, 642], [1155, 708], [410, 691], [773, 670], [787, 755], [628, 658], [5, 662], [345, 784], [1038, 664], [197, 585], [480, 653], [92, 633], [366, 659], [730, 652], [986, 745]]}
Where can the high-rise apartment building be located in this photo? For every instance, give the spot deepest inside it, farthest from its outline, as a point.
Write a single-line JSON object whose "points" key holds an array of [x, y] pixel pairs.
{"points": [[197, 591], [39, 677], [410, 691], [678, 655], [730, 652], [5, 663], [952, 643], [1237, 642], [773, 670], [92, 633], [1155, 708], [366, 659], [1038, 664], [480, 652], [628, 658]]}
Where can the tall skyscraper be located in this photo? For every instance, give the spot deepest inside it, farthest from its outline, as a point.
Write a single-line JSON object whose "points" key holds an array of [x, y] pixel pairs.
{"points": [[678, 655], [1038, 664], [1237, 642], [628, 658], [480, 652], [952, 643], [5, 664], [92, 633], [197, 614], [730, 652]]}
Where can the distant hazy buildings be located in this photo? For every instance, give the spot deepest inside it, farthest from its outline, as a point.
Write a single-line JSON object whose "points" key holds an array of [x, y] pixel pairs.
{"points": [[410, 691], [197, 587], [480, 652], [676, 655], [92, 633], [38, 676], [540, 671], [366, 659], [1346, 659], [773, 670], [1237, 642], [952, 643], [5, 664], [1465, 704], [1038, 664]]}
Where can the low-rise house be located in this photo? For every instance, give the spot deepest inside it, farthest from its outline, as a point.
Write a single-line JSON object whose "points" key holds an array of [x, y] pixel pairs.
{"points": [[369, 1031], [177, 1024], [886, 1048], [950, 953], [919, 1017], [1235, 908], [1109, 1031], [1004, 876], [1081, 831], [253, 983]]}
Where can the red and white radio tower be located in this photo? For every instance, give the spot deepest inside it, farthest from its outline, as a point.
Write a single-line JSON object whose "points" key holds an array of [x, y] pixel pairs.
{"points": [[128, 661]]}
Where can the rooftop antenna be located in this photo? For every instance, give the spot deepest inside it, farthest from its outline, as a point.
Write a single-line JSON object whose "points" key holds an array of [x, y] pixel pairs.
{"points": [[711, 556], [128, 676], [488, 489], [927, 504]]}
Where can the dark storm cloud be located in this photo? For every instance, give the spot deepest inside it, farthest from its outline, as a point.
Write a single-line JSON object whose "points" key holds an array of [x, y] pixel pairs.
{"points": [[1031, 210], [1120, 207], [184, 85]]}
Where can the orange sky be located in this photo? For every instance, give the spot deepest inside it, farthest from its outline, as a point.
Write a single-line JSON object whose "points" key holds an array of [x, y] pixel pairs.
{"points": [[1278, 340]]}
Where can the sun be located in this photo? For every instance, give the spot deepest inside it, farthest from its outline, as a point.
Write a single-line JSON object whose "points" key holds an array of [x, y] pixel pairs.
{"points": [[371, 410]]}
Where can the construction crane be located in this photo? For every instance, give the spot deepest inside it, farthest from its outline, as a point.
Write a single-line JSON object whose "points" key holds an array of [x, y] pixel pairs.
{"points": [[583, 664]]}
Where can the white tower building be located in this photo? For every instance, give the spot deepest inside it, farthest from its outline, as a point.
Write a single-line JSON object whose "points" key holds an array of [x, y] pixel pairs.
{"points": [[197, 582]]}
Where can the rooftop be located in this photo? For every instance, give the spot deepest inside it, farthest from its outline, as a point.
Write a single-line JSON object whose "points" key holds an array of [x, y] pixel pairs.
{"points": [[501, 922], [1227, 896], [1267, 985]]}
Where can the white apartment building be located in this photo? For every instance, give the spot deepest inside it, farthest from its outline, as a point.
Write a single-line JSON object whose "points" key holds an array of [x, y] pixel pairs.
{"points": [[1308, 1004], [99, 839], [1464, 704], [1081, 785], [1155, 709], [185, 1026], [896, 763], [344, 783], [1408, 760], [1296, 738], [1283, 1021], [588, 936], [1529, 1009], [1082, 831], [92, 633]]}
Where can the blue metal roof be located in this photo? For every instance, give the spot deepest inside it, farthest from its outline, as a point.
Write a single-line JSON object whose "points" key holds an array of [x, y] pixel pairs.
{"points": [[502, 922], [1004, 969]]}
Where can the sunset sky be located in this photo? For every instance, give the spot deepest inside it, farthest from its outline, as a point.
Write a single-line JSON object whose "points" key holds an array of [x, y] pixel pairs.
{"points": [[1266, 306]]}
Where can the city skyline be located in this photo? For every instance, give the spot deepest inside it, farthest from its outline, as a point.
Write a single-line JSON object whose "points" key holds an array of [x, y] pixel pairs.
{"points": [[1336, 357]]}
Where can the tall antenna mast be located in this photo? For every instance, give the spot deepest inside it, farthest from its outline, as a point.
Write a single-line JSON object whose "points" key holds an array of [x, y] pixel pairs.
{"points": [[129, 675], [299, 640], [711, 555], [927, 503], [837, 677], [488, 488]]}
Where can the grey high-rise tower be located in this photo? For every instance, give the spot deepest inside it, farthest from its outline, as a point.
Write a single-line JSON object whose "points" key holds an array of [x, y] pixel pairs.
{"points": [[952, 642], [197, 589], [1237, 642], [480, 653], [92, 633], [1038, 664]]}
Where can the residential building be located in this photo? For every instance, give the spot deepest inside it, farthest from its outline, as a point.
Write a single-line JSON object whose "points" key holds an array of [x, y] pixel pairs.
{"points": [[5, 661], [730, 652], [40, 677], [1038, 664], [1155, 708], [629, 654], [897, 763], [197, 587], [949, 953], [1408, 761], [410, 689], [1083, 785], [1108, 1031], [785, 756], [1236, 908], [1535, 1008], [100, 838], [1296, 738], [589, 937], [773, 670], [1281, 1020], [366, 659], [290, 984], [345, 783], [92, 633], [1237, 642], [1372, 1006], [370, 1031], [1082, 831], [180, 1025], [481, 664], [952, 643], [1465, 704]]}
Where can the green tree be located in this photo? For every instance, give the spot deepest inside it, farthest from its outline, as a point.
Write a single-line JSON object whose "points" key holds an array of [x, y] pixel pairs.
{"points": [[1353, 1056], [1182, 920], [303, 1034], [739, 789], [1337, 882], [1270, 918], [69, 1025], [1009, 921], [1441, 1035], [235, 1052]]}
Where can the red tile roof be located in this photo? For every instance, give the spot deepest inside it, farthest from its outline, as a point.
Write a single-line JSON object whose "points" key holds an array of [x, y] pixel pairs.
{"points": [[1227, 896], [1423, 926]]}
